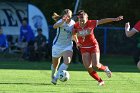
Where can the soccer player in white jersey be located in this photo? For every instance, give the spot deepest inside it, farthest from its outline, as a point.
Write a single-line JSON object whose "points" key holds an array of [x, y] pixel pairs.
{"points": [[62, 44]]}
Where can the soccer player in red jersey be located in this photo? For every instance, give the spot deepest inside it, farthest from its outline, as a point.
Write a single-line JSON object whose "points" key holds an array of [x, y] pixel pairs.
{"points": [[132, 32], [88, 45]]}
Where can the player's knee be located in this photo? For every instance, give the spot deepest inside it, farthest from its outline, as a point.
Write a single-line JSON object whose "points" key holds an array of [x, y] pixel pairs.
{"points": [[90, 69], [97, 64], [67, 60]]}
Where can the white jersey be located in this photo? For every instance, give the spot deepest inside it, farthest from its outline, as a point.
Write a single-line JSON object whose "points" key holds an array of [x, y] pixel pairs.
{"points": [[63, 39]]}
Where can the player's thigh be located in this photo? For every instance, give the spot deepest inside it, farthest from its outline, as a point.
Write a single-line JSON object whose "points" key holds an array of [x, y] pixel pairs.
{"points": [[86, 57], [95, 57], [56, 61], [67, 56]]}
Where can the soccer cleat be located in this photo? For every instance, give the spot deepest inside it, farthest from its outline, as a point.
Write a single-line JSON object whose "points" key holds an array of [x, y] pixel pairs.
{"points": [[101, 83], [108, 72], [54, 81]]}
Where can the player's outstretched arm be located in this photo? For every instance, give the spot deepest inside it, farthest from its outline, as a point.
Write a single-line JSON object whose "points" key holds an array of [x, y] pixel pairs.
{"points": [[107, 20], [129, 32]]}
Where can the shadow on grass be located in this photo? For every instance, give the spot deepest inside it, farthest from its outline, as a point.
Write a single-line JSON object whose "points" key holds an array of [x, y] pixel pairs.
{"points": [[35, 84], [30, 91], [84, 92]]}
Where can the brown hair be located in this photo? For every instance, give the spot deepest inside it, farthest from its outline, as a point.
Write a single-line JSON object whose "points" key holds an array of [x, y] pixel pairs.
{"points": [[82, 12]]}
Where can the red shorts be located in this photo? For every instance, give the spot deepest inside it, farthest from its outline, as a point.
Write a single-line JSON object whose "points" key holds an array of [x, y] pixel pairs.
{"points": [[92, 49]]}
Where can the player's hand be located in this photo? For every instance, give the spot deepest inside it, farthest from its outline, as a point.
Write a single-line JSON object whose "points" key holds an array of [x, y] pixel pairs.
{"points": [[78, 45], [127, 26], [65, 18], [118, 18]]}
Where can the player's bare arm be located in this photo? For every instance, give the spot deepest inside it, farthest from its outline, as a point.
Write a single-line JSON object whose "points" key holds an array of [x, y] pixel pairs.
{"points": [[56, 25], [75, 38], [64, 19], [129, 32], [107, 20]]}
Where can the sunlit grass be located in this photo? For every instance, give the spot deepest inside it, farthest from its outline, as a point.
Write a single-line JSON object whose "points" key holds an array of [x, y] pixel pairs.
{"points": [[34, 77]]}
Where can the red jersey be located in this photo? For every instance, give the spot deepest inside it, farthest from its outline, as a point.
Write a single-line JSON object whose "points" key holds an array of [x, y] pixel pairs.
{"points": [[137, 26], [86, 35]]}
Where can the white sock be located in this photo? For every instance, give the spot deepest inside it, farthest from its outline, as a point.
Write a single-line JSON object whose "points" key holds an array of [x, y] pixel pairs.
{"points": [[53, 71], [62, 67]]}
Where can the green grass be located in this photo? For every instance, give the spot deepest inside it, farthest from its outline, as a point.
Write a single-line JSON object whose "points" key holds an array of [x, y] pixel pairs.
{"points": [[34, 77]]}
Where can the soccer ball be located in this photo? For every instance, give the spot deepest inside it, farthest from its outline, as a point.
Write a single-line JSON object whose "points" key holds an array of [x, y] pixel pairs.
{"points": [[64, 76], [138, 65]]}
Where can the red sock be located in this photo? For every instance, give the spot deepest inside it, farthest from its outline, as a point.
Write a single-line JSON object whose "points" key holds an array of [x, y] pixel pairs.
{"points": [[102, 68], [95, 76]]}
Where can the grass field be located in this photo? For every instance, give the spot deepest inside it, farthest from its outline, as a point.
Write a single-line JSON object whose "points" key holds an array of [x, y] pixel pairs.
{"points": [[34, 77]]}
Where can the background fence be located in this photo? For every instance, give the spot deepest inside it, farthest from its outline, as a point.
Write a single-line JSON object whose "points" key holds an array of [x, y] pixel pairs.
{"points": [[112, 40]]}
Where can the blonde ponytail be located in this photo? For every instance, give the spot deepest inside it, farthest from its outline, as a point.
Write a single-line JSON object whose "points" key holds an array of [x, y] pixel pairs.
{"points": [[55, 16]]}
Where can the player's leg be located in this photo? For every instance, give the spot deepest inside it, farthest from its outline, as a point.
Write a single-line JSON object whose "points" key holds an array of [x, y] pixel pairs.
{"points": [[136, 55], [55, 64], [54, 67], [67, 57], [95, 57], [88, 65], [56, 57], [138, 65], [96, 62]]}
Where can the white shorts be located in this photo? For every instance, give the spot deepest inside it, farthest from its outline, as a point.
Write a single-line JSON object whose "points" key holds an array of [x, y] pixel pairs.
{"points": [[58, 51]]}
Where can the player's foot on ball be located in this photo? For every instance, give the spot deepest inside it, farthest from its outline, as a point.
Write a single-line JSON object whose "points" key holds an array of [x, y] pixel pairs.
{"points": [[108, 72], [101, 83], [54, 81]]}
